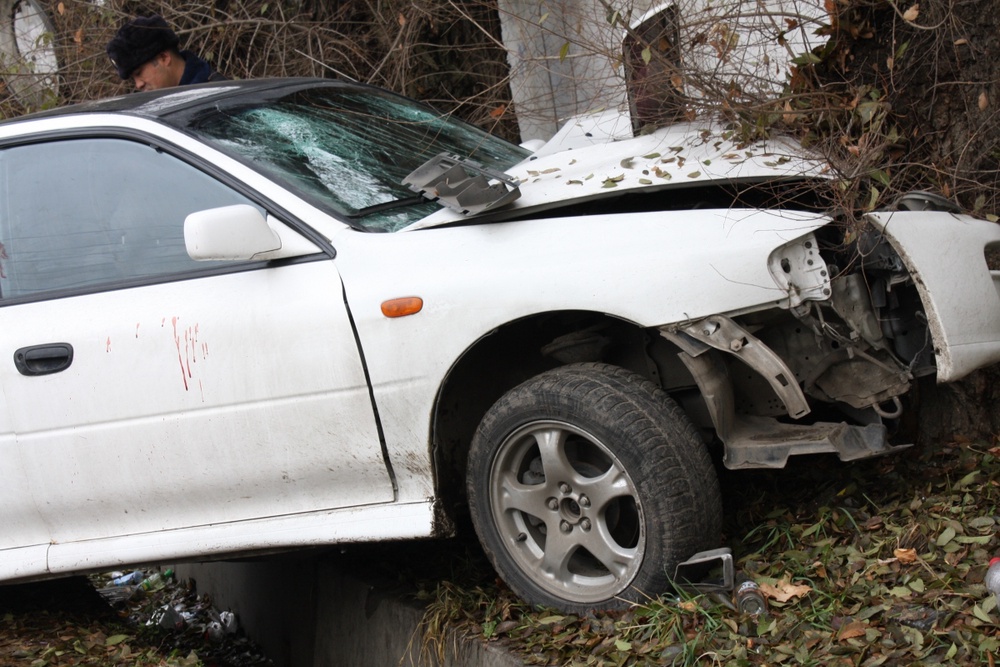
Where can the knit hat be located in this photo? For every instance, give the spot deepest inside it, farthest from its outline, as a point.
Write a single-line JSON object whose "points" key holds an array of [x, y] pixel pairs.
{"points": [[139, 41]]}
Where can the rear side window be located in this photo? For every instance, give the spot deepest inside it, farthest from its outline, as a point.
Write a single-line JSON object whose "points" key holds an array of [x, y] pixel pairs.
{"points": [[85, 212]]}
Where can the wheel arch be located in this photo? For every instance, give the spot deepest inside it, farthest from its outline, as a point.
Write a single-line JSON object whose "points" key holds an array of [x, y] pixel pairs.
{"points": [[521, 349]]}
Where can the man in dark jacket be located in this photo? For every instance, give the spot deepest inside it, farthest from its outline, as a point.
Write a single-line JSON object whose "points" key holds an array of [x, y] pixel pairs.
{"points": [[146, 51]]}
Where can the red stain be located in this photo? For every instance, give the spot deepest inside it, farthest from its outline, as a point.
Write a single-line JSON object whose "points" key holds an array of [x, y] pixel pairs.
{"points": [[192, 348], [136, 329], [187, 350], [107, 345], [180, 357]]}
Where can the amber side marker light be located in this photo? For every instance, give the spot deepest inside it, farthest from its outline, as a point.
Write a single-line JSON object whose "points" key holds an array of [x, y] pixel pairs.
{"points": [[403, 306]]}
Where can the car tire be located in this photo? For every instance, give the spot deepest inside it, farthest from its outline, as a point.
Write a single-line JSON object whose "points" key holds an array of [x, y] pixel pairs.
{"points": [[27, 53], [606, 461]]}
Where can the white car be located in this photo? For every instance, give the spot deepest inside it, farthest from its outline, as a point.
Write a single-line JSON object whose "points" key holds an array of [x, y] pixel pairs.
{"points": [[230, 327]]}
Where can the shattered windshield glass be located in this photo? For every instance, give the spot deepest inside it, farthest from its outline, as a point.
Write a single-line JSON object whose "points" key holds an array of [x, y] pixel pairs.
{"points": [[348, 148]]}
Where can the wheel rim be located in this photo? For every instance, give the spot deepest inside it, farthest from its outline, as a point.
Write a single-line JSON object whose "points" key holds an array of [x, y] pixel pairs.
{"points": [[567, 511]]}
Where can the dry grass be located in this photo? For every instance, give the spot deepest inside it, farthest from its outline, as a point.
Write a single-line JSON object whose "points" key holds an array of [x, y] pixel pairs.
{"points": [[441, 52]]}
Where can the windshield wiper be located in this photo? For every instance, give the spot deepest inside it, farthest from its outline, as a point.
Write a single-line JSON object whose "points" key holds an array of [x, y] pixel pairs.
{"points": [[388, 206]]}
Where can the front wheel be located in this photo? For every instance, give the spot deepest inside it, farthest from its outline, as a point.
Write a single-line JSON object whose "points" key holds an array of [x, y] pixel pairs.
{"points": [[587, 486]]}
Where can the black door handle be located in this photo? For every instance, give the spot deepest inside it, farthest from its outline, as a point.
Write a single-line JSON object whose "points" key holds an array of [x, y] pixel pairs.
{"points": [[43, 359]]}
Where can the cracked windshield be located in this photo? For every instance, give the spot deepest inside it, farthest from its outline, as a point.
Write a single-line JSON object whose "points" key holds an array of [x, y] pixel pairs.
{"points": [[347, 149]]}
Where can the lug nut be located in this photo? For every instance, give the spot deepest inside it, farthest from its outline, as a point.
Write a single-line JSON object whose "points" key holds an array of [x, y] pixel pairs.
{"points": [[564, 487], [552, 503], [585, 524], [584, 501], [565, 527]]}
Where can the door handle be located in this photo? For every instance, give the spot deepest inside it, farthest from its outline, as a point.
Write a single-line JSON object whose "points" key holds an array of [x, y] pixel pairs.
{"points": [[43, 359]]}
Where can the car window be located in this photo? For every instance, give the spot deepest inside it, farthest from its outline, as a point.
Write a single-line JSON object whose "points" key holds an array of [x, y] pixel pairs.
{"points": [[347, 149], [86, 212]]}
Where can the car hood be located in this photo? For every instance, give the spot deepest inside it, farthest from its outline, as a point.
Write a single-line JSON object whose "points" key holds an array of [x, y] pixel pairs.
{"points": [[571, 169]]}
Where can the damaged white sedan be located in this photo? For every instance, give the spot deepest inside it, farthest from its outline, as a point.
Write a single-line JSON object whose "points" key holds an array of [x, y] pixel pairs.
{"points": [[261, 315]]}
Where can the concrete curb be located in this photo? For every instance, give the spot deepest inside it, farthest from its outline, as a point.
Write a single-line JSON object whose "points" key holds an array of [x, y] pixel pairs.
{"points": [[308, 610]]}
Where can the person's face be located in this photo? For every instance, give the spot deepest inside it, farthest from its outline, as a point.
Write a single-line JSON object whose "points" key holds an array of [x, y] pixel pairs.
{"points": [[155, 74]]}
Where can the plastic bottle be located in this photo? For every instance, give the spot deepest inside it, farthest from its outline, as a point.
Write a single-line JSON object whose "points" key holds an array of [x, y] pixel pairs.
{"points": [[130, 579], [992, 578], [156, 581], [748, 597]]}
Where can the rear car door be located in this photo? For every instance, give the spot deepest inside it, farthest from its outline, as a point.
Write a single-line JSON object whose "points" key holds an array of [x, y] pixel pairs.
{"points": [[149, 392]]}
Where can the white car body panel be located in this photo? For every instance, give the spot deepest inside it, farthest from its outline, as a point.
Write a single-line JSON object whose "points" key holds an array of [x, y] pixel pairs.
{"points": [[961, 297], [354, 524], [164, 380], [515, 269], [22, 522]]}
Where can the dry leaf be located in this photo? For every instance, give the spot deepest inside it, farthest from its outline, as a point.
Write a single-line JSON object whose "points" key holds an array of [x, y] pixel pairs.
{"points": [[61, 8], [912, 13], [499, 111], [788, 116], [78, 37], [960, 42], [983, 101], [905, 556], [851, 630], [784, 591], [401, 19]]}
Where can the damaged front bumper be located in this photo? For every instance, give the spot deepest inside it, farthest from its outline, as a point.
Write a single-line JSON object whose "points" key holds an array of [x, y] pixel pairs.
{"points": [[945, 255], [911, 295]]}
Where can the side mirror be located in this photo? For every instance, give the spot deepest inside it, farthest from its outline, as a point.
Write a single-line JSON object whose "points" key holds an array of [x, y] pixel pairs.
{"points": [[229, 232]]}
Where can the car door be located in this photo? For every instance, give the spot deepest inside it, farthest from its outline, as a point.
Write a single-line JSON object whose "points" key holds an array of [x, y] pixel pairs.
{"points": [[23, 540], [149, 392]]}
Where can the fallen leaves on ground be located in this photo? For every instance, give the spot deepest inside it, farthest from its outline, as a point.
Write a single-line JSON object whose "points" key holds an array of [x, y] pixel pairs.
{"points": [[879, 562]]}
